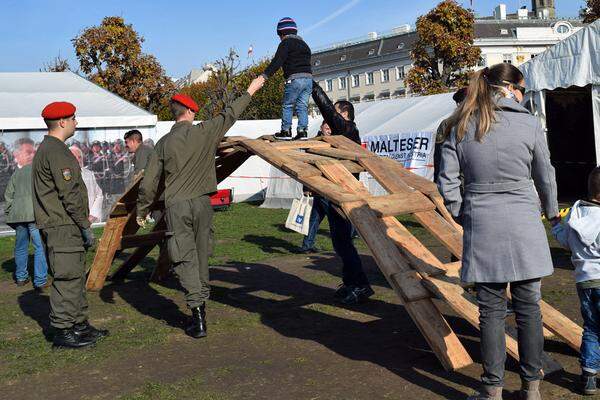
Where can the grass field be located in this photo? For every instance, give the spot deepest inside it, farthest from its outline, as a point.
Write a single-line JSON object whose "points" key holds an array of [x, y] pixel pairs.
{"points": [[143, 317]]}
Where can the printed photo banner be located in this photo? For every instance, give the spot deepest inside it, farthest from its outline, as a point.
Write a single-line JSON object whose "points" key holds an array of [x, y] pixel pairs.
{"points": [[413, 149]]}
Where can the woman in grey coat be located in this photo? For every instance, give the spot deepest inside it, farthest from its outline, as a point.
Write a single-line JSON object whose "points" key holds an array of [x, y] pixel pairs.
{"points": [[500, 150]]}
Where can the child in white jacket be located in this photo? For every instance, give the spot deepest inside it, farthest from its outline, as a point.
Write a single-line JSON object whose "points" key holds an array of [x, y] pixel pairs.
{"points": [[580, 232]]}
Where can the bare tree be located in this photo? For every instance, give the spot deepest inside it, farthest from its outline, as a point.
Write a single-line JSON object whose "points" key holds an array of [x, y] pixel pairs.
{"points": [[58, 64]]}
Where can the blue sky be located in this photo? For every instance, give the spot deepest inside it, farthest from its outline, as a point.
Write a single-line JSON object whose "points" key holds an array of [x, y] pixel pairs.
{"points": [[184, 34]]}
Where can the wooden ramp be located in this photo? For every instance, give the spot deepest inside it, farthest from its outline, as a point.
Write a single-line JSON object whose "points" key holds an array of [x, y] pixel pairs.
{"points": [[326, 167]]}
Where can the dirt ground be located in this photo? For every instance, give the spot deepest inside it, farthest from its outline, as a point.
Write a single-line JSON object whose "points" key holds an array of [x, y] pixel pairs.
{"points": [[276, 333]]}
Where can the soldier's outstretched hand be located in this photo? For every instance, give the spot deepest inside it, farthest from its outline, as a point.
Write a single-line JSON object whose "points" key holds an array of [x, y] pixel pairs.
{"points": [[256, 84]]}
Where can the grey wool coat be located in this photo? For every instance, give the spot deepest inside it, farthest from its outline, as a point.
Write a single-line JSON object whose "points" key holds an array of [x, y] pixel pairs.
{"points": [[504, 238]]}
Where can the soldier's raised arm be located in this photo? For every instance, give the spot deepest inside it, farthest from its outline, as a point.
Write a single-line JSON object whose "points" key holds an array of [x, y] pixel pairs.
{"points": [[219, 125]]}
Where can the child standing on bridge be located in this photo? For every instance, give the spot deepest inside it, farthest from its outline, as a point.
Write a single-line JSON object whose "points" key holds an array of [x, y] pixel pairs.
{"points": [[580, 232], [293, 55]]}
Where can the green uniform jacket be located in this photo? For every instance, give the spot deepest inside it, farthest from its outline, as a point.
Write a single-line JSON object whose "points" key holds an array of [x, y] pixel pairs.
{"points": [[142, 155], [59, 194], [19, 202], [186, 157]]}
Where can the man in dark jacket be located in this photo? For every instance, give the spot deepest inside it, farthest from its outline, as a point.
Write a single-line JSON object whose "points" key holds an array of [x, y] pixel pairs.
{"points": [[293, 55], [355, 286]]}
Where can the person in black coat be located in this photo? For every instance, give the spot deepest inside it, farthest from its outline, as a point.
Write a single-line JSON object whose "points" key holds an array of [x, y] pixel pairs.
{"points": [[355, 287]]}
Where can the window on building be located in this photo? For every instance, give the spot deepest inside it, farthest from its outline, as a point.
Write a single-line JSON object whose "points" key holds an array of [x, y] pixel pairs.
{"points": [[504, 31], [563, 29], [385, 75], [507, 58], [355, 80], [400, 75], [317, 63], [342, 83], [482, 61], [400, 46], [329, 85], [343, 58], [533, 55], [369, 78], [371, 52]]}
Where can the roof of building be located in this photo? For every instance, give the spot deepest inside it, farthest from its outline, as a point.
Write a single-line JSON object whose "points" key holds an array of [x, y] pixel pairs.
{"points": [[23, 95], [345, 54]]}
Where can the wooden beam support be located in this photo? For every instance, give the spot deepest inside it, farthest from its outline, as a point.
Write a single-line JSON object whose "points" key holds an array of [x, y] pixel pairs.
{"points": [[399, 204], [300, 144], [338, 153]]}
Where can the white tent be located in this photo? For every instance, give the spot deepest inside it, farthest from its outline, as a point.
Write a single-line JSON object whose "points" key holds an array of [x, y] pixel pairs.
{"points": [[574, 61], [23, 95]]}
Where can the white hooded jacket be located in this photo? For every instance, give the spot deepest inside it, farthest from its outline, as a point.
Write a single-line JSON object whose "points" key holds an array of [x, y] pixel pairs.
{"points": [[580, 232]]}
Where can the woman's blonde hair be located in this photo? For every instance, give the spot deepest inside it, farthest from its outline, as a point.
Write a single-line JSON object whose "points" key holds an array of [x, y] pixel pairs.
{"points": [[480, 103]]}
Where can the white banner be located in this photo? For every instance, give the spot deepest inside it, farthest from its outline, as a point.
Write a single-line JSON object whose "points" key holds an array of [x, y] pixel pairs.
{"points": [[414, 150]]}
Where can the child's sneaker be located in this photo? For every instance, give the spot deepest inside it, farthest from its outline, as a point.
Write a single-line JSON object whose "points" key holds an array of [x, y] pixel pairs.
{"points": [[588, 383], [301, 135], [284, 135]]}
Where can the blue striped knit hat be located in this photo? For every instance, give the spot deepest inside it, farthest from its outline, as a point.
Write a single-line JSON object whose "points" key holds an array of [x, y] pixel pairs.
{"points": [[287, 26]]}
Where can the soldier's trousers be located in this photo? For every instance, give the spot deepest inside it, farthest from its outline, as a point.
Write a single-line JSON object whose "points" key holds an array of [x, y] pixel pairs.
{"points": [[66, 259], [190, 244]]}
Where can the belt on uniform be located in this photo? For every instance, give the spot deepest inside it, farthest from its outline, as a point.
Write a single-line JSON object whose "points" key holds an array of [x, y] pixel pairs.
{"points": [[498, 187]]}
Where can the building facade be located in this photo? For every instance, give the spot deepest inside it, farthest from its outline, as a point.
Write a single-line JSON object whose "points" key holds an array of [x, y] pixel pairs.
{"points": [[374, 67]]}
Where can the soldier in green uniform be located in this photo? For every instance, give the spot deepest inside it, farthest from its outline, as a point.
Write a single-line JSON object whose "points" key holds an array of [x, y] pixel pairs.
{"points": [[136, 147], [61, 213], [186, 158]]}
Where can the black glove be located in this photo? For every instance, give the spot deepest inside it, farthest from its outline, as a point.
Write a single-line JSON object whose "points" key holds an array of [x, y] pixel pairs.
{"points": [[88, 238]]}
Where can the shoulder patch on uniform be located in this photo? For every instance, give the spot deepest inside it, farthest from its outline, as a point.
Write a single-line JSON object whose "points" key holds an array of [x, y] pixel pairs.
{"points": [[66, 173]]}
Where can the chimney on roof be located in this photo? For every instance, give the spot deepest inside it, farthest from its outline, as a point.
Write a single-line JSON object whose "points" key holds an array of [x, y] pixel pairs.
{"points": [[500, 12], [372, 35]]}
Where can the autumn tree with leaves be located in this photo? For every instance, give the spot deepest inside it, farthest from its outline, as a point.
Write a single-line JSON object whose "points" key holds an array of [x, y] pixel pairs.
{"points": [[111, 56], [591, 12], [444, 52]]}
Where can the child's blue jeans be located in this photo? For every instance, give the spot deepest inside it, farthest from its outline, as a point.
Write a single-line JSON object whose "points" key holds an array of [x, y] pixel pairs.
{"points": [[590, 311], [296, 94]]}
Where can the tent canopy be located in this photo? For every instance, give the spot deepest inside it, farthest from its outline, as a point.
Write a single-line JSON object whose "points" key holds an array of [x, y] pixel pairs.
{"points": [[23, 95], [574, 61]]}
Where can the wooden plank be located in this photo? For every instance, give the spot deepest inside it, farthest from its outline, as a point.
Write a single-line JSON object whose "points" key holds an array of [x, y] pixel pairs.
{"points": [[428, 319], [343, 143], [561, 326], [456, 298], [300, 170], [334, 192], [338, 153], [351, 166], [415, 181], [299, 144], [419, 256], [336, 172], [266, 152], [408, 285], [105, 253], [400, 203], [138, 255], [148, 239], [441, 229]]}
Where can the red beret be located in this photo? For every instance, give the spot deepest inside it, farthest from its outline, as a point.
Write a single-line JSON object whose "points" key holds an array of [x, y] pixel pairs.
{"points": [[58, 110], [186, 101]]}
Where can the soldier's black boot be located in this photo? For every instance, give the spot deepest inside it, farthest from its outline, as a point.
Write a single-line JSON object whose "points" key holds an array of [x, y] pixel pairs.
{"points": [[69, 339], [197, 326], [87, 331]]}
